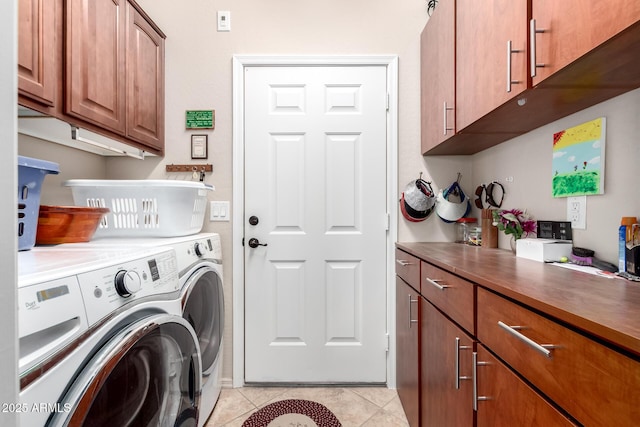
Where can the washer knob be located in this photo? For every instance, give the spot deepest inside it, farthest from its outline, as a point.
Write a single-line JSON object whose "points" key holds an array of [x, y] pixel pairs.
{"points": [[127, 283], [199, 249]]}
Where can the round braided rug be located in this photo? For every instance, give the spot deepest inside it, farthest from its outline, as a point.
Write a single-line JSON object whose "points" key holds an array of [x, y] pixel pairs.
{"points": [[293, 412]]}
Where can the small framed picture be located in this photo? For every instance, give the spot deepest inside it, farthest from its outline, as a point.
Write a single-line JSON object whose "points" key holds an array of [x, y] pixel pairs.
{"points": [[199, 146]]}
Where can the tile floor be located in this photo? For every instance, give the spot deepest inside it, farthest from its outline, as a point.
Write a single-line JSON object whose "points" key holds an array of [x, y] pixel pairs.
{"points": [[354, 406]]}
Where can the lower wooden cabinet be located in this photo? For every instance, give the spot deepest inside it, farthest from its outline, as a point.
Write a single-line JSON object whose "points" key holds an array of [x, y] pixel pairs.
{"points": [[590, 381], [446, 386], [503, 399], [407, 347], [491, 355]]}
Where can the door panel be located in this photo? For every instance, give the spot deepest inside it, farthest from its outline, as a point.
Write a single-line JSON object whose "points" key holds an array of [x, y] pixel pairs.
{"points": [[315, 162], [96, 62]]}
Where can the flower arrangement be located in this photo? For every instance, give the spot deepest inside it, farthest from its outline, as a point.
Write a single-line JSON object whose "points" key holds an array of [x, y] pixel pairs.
{"points": [[514, 221]]}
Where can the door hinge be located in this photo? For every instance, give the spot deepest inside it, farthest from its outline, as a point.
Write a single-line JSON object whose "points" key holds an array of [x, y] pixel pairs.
{"points": [[388, 225], [388, 100], [388, 342]]}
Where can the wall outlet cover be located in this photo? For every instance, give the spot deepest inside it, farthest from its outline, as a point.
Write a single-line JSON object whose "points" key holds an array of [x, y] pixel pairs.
{"points": [[577, 212]]}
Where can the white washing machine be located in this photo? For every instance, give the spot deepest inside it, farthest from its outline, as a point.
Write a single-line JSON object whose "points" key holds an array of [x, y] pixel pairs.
{"points": [[199, 263], [102, 339], [201, 278]]}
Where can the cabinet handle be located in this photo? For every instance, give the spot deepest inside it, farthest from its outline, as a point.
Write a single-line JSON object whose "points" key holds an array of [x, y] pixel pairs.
{"points": [[532, 37], [457, 367], [403, 262], [542, 348], [477, 398], [411, 301], [435, 283], [510, 51], [444, 113]]}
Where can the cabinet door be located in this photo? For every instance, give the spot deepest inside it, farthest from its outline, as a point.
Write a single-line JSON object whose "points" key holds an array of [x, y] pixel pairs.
{"points": [[446, 388], [505, 400], [407, 346], [95, 70], [571, 369], [145, 81], [487, 73], [37, 50], [437, 76], [571, 28]]}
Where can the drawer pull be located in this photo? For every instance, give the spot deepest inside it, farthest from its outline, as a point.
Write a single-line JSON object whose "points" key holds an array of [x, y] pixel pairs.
{"points": [[477, 398], [510, 51], [411, 320], [403, 262], [532, 37], [457, 367], [435, 283], [542, 348]]}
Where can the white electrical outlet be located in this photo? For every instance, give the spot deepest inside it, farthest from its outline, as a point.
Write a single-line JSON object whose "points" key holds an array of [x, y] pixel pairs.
{"points": [[224, 20], [577, 212]]}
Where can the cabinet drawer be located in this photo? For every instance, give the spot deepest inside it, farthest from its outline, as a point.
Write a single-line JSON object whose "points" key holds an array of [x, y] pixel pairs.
{"points": [[593, 383], [450, 293], [505, 400], [408, 267]]}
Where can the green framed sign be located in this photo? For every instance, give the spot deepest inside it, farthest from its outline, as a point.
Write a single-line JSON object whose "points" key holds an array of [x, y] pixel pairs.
{"points": [[200, 119]]}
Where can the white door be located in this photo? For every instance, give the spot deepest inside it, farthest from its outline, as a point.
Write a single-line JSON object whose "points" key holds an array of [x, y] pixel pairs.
{"points": [[315, 179]]}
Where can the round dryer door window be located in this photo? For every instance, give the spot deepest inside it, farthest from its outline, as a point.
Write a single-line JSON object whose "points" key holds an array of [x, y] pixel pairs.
{"points": [[204, 310], [147, 374]]}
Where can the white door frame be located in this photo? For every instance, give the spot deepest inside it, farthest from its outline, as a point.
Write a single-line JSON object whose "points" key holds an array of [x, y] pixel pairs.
{"points": [[240, 62]]}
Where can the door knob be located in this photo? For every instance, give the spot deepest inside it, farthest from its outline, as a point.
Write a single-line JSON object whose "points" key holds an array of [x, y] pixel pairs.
{"points": [[253, 220], [254, 243]]}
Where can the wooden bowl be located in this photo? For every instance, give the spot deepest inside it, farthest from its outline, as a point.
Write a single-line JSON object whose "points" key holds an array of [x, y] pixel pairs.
{"points": [[67, 224]]}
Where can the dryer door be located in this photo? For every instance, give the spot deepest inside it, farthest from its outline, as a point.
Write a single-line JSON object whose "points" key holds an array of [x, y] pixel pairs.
{"points": [[146, 374], [203, 308]]}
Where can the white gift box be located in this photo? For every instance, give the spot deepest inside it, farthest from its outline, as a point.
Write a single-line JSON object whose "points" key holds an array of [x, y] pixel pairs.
{"points": [[543, 250]]}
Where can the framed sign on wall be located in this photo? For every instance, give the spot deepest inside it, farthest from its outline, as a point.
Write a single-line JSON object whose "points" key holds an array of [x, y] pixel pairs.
{"points": [[199, 146]]}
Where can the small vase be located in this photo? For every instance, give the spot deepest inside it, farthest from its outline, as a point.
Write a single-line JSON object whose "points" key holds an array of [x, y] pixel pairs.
{"points": [[512, 243]]}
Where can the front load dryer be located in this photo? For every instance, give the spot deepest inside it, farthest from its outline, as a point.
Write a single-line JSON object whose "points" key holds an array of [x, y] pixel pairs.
{"points": [[102, 340], [199, 265]]}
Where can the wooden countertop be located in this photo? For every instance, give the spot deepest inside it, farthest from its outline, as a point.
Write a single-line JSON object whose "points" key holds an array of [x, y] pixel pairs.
{"points": [[605, 308]]}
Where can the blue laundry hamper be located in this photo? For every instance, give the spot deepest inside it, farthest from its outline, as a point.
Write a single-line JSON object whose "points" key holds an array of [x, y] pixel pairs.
{"points": [[31, 173]]}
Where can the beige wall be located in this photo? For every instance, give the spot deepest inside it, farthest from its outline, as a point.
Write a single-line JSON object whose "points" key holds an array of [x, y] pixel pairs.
{"points": [[528, 160]]}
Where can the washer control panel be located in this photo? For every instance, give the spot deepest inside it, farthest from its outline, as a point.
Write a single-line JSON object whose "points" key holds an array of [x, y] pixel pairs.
{"points": [[134, 280], [207, 247]]}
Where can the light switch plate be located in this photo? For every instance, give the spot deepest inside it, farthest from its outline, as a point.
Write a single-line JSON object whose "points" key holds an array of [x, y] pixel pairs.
{"points": [[224, 20], [219, 211]]}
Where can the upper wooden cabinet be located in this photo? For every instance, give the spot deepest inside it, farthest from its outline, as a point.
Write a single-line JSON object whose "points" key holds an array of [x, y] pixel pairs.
{"points": [[586, 53], [491, 56], [110, 79], [37, 53], [145, 80], [563, 31], [437, 76], [95, 58]]}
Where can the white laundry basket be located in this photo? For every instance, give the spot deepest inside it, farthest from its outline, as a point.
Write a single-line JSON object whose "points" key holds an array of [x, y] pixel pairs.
{"points": [[144, 208]]}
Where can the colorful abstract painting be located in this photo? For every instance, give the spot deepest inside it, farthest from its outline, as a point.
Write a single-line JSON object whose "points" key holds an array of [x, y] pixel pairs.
{"points": [[578, 160]]}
